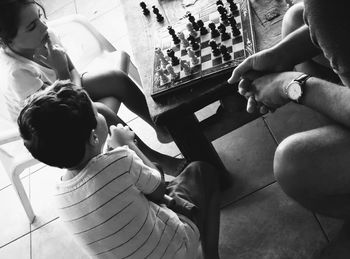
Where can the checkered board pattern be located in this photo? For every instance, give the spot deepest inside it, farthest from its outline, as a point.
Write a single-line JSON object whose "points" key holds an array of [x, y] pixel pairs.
{"points": [[209, 66]]}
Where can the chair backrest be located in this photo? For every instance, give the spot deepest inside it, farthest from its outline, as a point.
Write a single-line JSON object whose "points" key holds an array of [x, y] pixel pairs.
{"points": [[81, 40]]}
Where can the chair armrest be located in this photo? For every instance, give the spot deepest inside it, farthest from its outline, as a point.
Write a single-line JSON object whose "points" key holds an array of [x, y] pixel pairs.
{"points": [[9, 136]]}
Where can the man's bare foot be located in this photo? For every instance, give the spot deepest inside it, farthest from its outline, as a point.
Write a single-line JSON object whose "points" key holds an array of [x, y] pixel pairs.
{"points": [[163, 135]]}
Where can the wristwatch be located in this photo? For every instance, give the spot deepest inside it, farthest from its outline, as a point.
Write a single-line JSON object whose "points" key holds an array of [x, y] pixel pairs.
{"points": [[295, 89]]}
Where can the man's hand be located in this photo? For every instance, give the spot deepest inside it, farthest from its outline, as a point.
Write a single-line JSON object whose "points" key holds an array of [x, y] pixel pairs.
{"points": [[120, 136]]}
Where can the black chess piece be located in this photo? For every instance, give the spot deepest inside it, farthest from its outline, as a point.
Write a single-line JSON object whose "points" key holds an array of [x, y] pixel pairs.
{"points": [[235, 31], [223, 13], [172, 32], [159, 17], [214, 48], [174, 60], [224, 34], [226, 56], [231, 19], [202, 29], [193, 21], [144, 8], [214, 32], [219, 2], [233, 6], [194, 44]]}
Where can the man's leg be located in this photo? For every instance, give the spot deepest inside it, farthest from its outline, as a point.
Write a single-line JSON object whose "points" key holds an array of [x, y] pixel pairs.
{"points": [[313, 167]]}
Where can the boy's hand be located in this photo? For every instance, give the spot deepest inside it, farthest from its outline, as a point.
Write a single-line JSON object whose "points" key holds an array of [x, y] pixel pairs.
{"points": [[120, 136]]}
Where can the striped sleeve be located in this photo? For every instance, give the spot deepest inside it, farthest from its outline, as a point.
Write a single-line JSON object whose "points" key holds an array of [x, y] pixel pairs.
{"points": [[145, 178]]}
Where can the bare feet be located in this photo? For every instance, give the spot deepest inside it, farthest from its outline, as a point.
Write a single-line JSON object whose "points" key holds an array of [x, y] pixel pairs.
{"points": [[163, 135]]}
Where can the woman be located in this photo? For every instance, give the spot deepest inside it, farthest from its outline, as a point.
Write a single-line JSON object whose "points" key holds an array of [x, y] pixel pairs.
{"points": [[32, 59]]}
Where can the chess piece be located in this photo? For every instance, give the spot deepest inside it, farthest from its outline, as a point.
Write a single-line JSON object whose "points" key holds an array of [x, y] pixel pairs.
{"points": [[176, 39], [192, 55], [219, 2], [214, 32], [159, 17], [233, 6], [235, 31], [171, 71], [224, 34], [174, 60], [144, 8], [183, 40], [186, 67], [202, 29], [194, 43], [231, 19], [223, 13], [193, 21], [214, 48], [163, 77], [226, 56], [160, 55], [191, 30]]}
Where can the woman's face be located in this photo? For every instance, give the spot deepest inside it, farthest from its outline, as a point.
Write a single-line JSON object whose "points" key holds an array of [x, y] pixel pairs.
{"points": [[32, 30]]}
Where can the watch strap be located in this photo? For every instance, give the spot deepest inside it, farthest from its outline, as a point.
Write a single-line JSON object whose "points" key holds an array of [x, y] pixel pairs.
{"points": [[302, 81]]}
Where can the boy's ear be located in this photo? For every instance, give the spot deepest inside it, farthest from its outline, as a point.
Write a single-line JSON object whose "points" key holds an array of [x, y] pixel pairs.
{"points": [[93, 140]]}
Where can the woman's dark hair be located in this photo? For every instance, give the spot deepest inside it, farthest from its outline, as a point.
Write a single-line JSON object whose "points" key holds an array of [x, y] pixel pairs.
{"points": [[9, 18], [56, 124]]}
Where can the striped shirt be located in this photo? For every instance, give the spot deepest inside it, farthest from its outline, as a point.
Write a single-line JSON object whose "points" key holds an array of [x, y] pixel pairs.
{"points": [[105, 208]]}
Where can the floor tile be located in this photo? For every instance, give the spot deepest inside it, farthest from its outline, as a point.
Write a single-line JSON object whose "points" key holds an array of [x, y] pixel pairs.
{"points": [[267, 224], [4, 179], [93, 9], [53, 241], [54, 5], [125, 114], [19, 249], [13, 219], [148, 135], [247, 154], [292, 118], [111, 25], [331, 226], [42, 190], [67, 9]]}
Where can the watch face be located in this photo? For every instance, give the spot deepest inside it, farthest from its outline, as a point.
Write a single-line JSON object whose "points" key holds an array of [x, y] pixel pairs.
{"points": [[294, 91]]}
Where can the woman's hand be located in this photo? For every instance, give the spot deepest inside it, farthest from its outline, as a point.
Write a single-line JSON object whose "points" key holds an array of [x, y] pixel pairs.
{"points": [[54, 57], [120, 136]]}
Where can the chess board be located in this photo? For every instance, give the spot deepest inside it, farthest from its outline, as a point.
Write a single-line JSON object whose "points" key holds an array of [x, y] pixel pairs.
{"points": [[209, 66]]}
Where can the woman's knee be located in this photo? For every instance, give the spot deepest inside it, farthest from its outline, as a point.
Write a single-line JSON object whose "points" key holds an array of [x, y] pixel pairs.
{"points": [[293, 19]]}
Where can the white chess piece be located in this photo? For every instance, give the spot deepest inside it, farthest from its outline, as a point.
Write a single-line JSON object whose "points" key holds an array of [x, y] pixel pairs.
{"points": [[192, 31], [171, 71], [186, 67], [184, 41], [164, 79], [160, 55], [192, 55]]}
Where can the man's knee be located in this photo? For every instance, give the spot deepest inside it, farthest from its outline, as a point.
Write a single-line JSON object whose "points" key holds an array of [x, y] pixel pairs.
{"points": [[291, 166], [293, 19]]}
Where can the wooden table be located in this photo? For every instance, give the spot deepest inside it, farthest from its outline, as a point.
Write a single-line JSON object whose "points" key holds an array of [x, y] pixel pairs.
{"points": [[176, 112]]}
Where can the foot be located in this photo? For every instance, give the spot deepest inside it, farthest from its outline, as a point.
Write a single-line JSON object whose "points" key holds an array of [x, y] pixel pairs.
{"points": [[339, 247]]}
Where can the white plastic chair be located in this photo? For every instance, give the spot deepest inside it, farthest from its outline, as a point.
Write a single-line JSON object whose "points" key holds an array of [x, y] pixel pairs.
{"points": [[86, 46]]}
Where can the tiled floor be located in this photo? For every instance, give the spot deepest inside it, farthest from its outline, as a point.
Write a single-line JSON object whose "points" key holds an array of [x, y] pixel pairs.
{"points": [[257, 221]]}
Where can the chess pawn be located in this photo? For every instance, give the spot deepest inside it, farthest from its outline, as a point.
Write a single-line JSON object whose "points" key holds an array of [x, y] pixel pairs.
{"points": [[184, 41], [192, 55], [186, 67], [171, 71], [214, 32], [190, 29], [202, 28], [160, 55], [163, 78], [144, 8]]}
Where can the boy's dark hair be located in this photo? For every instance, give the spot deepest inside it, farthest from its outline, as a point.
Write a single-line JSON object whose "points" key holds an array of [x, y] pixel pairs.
{"points": [[56, 124], [9, 18]]}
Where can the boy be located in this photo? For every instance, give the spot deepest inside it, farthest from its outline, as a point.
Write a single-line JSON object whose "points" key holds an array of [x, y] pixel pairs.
{"points": [[106, 198]]}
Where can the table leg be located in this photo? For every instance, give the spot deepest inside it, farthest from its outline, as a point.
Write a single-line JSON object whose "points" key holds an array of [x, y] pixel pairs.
{"points": [[194, 145]]}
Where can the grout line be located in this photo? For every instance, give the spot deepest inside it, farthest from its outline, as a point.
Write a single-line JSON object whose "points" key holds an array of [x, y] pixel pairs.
{"points": [[320, 225], [75, 7], [246, 195], [43, 225], [270, 131]]}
